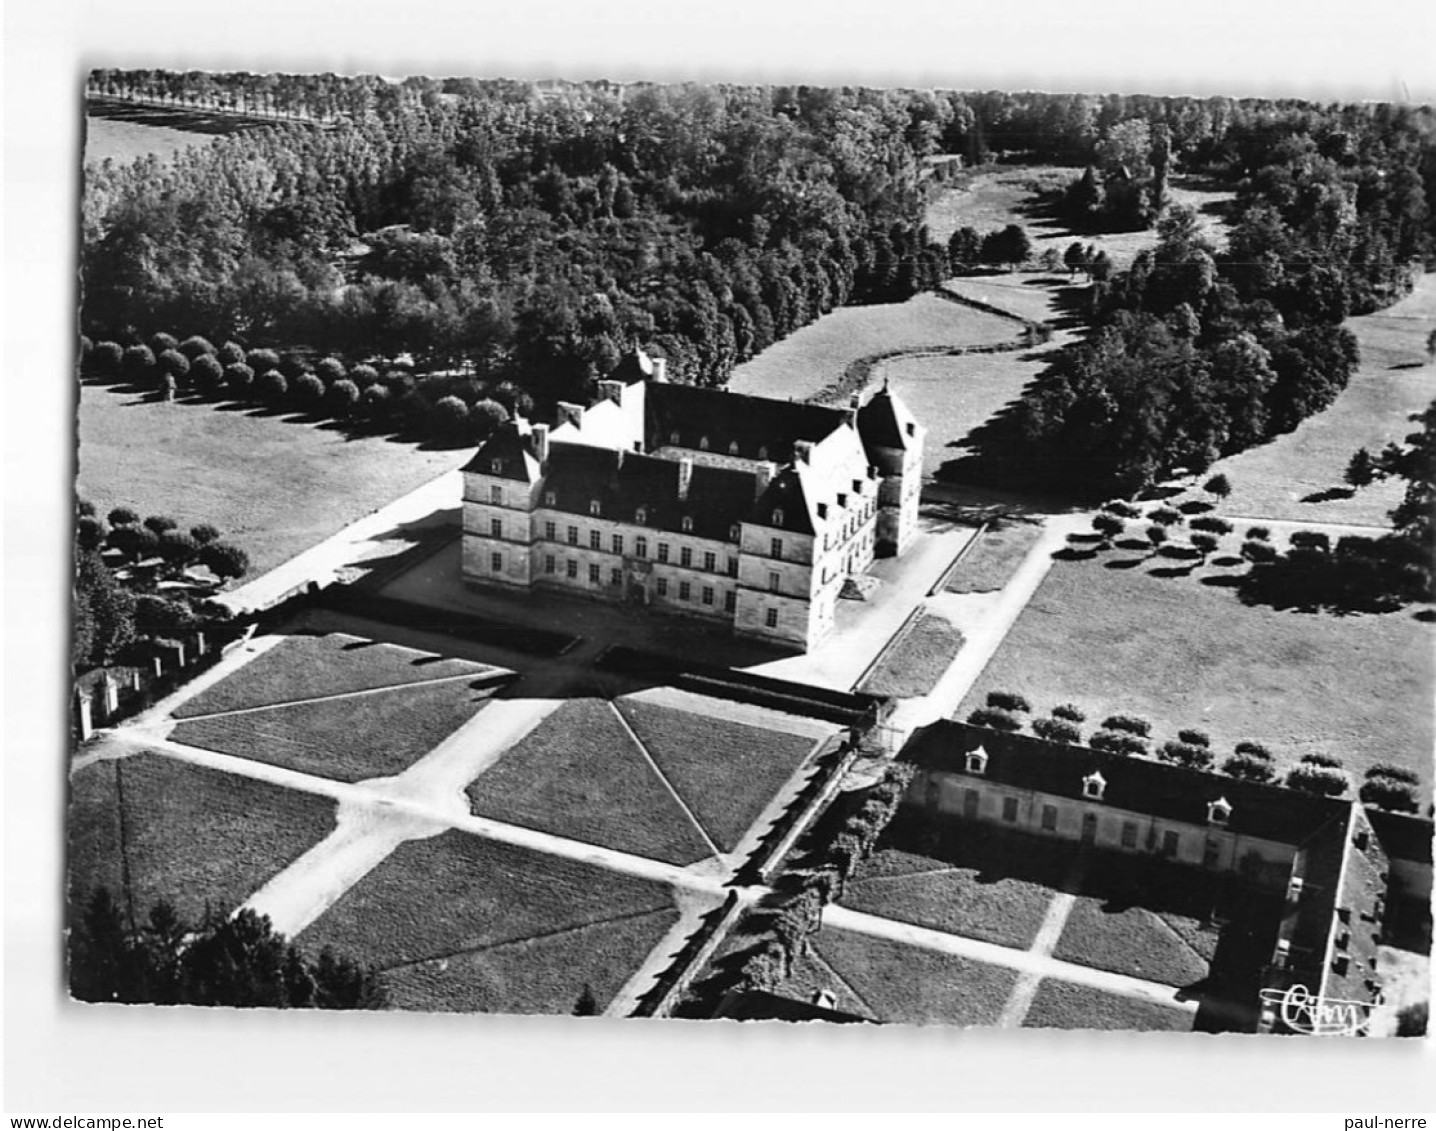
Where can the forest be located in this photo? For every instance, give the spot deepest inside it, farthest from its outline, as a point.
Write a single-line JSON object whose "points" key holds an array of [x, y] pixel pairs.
{"points": [[509, 241]]}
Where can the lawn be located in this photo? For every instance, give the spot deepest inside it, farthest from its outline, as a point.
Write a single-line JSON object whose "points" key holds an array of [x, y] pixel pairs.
{"points": [[912, 985], [1394, 380], [192, 835], [272, 486], [546, 974], [579, 774], [808, 361], [455, 893], [349, 739], [994, 557], [726, 772], [914, 665], [308, 667], [1181, 653], [1132, 941], [930, 892], [1062, 1005], [110, 139]]}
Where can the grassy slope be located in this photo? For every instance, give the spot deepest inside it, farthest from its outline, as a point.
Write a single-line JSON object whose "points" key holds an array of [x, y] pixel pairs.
{"points": [[194, 835], [817, 355], [1131, 941], [456, 892], [540, 975], [1395, 379], [1183, 654], [274, 487], [1061, 1005], [917, 663], [726, 772], [346, 739], [579, 775], [108, 139], [305, 667]]}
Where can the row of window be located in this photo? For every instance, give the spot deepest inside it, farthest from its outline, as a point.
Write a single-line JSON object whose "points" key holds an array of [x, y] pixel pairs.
{"points": [[1171, 841]]}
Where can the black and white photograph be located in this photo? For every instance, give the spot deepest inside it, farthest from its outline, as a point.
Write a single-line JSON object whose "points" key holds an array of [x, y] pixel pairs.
{"points": [[834, 555]]}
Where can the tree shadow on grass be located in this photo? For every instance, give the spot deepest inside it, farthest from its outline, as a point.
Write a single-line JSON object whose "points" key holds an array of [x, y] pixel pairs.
{"points": [[1072, 554], [1172, 571], [1330, 494], [1227, 561], [1124, 563]]}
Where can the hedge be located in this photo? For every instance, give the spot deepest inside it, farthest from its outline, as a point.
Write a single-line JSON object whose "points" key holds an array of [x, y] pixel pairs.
{"points": [[1187, 754], [1008, 701], [1118, 742], [1057, 730], [1129, 723], [1253, 750], [995, 718], [1195, 737], [1246, 768], [1386, 793], [1395, 773], [1320, 780], [1211, 524], [1069, 711], [1324, 760]]}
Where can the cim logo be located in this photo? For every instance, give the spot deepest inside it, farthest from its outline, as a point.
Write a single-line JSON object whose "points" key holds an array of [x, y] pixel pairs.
{"points": [[1307, 1013]]}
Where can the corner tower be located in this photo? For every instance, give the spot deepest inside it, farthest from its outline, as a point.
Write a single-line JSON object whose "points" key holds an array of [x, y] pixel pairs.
{"points": [[894, 442]]}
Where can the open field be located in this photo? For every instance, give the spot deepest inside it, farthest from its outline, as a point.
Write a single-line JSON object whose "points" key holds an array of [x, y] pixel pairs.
{"points": [[1062, 1005], [931, 892], [994, 557], [911, 985], [271, 486], [726, 772], [544, 974], [191, 835], [1115, 638], [806, 362], [349, 738], [1130, 940], [919, 659], [309, 667], [1394, 380], [579, 774], [113, 139], [455, 893]]}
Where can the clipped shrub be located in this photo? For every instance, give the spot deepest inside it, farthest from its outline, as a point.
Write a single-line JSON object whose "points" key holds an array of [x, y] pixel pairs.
{"points": [[206, 374], [1008, 701], [1394, 772], [995, 718], [138, 364], [341, 398], [204, 533], [1246, 768], [1109, 526], [1386, 793], [1156, 534], [1129, 723], [485, 416], [90, 532], [413, 411], [1218, 485], [1118, 742], [1259, 533], [271, 386], [1314, 541], [307, 390], [159, 523], [451, 416], [85, 507], [161, 342], [178, 548], [329, 370], [195, 346], [238, 380], [375, 404], [1321, 760], [123, 516], [104, 359], [174, 363], [1210, 524], [1253, 750], [231, 353], [363, 375], [1122, 509], [1320, 780], [1258, 553], [1057, 730], [1187, 754], [1195, 737], [262, 360], [1204, 543], [224, 560], [1165, 516], [1069, 711]]}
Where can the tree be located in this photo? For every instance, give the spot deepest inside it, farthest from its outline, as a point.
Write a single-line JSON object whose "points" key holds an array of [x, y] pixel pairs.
{"points": [[1361, 470], [1157, 535], [1218, 485], [159, 523], [138, 365], [1109, 526], [271, 386], [1075, 257], [587, 1005], [342, 398], [195, 347], [204, 533], [1204, 543], [451, 416], [206, 373], [238, 380], [485, 416], [224, 560], [104, 612], [123, 516]]}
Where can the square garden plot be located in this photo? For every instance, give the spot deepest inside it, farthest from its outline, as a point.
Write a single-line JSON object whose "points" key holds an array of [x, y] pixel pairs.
{"points": [[1063, 1005], [1134, 941]]}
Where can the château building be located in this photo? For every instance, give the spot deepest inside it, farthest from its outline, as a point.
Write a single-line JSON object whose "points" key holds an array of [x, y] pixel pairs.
{"points": [[736, 509]]}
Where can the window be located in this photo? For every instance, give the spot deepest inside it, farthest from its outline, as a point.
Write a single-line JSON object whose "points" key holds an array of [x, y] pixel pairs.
{"points": [[1169, 843], [685, 591], [710, 560], [673, 439], [733, 448], [595, 540], [685, 557], [1093, 786], [549, 498], [550, 531], [496, 527], [618, 543], [730, 601], [687, 524], [595, 507], [770, 618], [496, 562], [663, 551], [776, 548], [778, 518], [662, 585], [763, 453], [572, 568], [732, 567], [496, 466], [707, 594], [773, 582], [703, 443], [1129, 834], [549, 564], [977, 761], [1049, 818], [496, 496], [573, 535], [593, 574], [615, 577], [734, 532], [640, 516], [640, 546], [1009, 809]]}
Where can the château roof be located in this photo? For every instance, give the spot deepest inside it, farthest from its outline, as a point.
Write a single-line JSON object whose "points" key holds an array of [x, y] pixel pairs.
{"points": [[506, 455], [761, 427], [885, 422]]}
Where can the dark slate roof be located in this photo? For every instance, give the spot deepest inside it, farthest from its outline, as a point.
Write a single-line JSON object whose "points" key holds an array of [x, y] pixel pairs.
{"points": [[1140, 785], [635, 366], [507, 445], [624, 481], [754, 422], [1359, 927], [883, 422], [787, 494], [1404, 836]]}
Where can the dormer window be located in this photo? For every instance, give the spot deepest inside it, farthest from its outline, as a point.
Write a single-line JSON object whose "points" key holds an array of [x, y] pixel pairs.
{"points": [[823, 512], [777, 518], [496, 466], [911, 428], [687, 524], [550, 499], [842, 499], [977, 761], [673, 439], [595, 507], [734, 532], [733, 448], [1219, 812], [763, 452], [1093, 786], [640, 516]]}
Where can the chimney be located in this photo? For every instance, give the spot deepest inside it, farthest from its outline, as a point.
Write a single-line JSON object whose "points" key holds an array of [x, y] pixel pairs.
{"points": [[539, 437], [853, 405], [569, 413], [685, 477], [660, 370], [761, 478], [802, 451], [611, 391]]}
